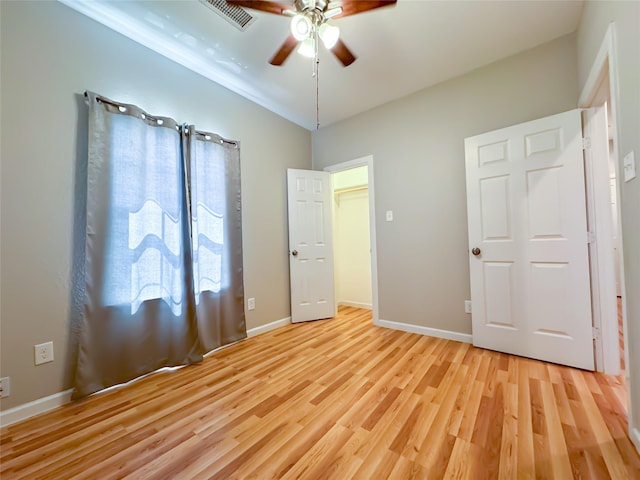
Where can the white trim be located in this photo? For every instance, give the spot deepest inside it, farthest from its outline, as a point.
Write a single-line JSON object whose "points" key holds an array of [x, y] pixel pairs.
{"points": [[602, 262], [145, 34], [597, 72], [607, 57], [45, 404], [347, 303], [338, 167], [428, 331], [606, 62], [255, 331], [36, 407], [368, 161]]}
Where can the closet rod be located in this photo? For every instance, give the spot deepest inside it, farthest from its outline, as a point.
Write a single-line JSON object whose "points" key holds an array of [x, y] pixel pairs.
{"points": [[352, 189]]}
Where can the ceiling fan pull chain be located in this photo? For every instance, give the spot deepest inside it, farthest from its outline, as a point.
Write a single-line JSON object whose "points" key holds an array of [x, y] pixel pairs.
{"points": [[315, 52]]}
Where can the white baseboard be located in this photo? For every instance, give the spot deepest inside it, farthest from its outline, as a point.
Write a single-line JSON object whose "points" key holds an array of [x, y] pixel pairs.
{"points": [[430, 332], [252, 332], [42, 405], [347, 303], [36, 407]]}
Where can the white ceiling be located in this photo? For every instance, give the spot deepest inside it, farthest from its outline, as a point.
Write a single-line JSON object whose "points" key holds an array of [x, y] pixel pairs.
{"points": [[400, 49]]}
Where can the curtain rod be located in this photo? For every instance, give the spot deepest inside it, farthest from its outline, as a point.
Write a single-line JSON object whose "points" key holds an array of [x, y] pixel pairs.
{"points": [[116, 104]]}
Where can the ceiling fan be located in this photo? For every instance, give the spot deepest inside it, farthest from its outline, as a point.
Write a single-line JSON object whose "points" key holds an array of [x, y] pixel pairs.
{"points": [[309, 21]]}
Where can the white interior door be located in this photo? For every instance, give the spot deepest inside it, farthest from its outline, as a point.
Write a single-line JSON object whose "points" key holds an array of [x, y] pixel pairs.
{"points": [[310, 245], [530, 283]]}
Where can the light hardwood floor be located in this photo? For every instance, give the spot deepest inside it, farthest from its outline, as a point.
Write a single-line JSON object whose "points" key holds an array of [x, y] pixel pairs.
{"points": [[338, 399]]}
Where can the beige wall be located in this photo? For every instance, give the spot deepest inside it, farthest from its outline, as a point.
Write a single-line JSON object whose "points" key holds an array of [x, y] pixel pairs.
{"points": [[596, 18], [51, 54], [417, 144]]}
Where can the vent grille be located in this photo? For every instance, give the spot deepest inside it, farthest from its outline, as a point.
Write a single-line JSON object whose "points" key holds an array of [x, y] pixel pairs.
{"points": [[236, 16]]}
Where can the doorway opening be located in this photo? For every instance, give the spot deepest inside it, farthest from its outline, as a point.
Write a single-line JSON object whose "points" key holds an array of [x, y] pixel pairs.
{"points": [[355, 263], [351, 243], [605, 247], [603, 221]]}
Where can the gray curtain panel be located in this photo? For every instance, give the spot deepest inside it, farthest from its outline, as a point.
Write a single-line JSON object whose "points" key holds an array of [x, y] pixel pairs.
{"points": [[216, 232], [163, 262]]}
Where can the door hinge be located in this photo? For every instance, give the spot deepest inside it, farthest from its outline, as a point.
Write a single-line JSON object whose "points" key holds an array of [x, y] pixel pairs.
{"points": [[586, 143], [591, 237], [596, 333]]}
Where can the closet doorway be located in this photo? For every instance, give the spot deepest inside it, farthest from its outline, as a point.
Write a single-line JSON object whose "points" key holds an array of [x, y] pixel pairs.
{"points": [[355, 266], [352, 248]]}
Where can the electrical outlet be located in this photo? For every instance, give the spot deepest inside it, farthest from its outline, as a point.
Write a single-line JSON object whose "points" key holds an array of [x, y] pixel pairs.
{"points": [[251, 304], [5, 387], [467, 306], [389, 216], [43, 353]]}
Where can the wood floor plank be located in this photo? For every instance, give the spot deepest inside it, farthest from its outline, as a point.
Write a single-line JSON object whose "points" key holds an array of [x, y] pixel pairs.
{"points": [[320, 454], [508, 457], [404, 468], [459, 462], [387, 428], [337, 399], [610, 453], [557, 445]]}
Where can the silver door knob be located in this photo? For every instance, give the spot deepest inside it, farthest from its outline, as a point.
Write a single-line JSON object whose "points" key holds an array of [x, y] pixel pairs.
{"points": [[294, 253], [476, 251]]}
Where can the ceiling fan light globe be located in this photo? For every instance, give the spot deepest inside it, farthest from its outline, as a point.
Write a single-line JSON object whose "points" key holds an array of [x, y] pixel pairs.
{"points": [[301, 27], [307, 48], [329, 35]]}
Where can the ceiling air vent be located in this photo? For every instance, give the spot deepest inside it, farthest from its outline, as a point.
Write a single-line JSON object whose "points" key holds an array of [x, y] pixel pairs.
{"points": [[236, 16]]}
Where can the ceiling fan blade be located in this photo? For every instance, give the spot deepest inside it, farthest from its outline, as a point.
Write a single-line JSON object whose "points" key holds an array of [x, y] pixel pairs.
{"points": [[285, 50], [341, 51], [351, 7], [262, 5]]}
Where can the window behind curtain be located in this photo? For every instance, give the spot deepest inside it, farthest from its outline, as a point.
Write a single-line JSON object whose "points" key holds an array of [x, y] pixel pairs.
{"points": [[208, 197], [144, 248]]}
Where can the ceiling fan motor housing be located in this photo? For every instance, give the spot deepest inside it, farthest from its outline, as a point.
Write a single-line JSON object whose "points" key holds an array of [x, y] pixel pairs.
{"points": [[314, 10]]}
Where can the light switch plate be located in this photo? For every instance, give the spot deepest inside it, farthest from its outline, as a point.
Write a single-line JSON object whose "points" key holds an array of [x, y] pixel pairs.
{"points": [[629, 166], [389, 216]]}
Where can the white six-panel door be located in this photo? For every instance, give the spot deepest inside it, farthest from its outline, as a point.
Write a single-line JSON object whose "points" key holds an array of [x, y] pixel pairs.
{"points": [[310, 245], [526, 207]]}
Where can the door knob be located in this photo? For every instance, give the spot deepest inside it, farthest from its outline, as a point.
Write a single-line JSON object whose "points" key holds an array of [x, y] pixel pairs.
{"points": [[476, 251], [294, 253]]}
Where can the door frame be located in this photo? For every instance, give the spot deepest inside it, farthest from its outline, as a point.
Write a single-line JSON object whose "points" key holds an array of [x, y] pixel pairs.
{"points": [[358, 162], [605, 64], [601, 248]]}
